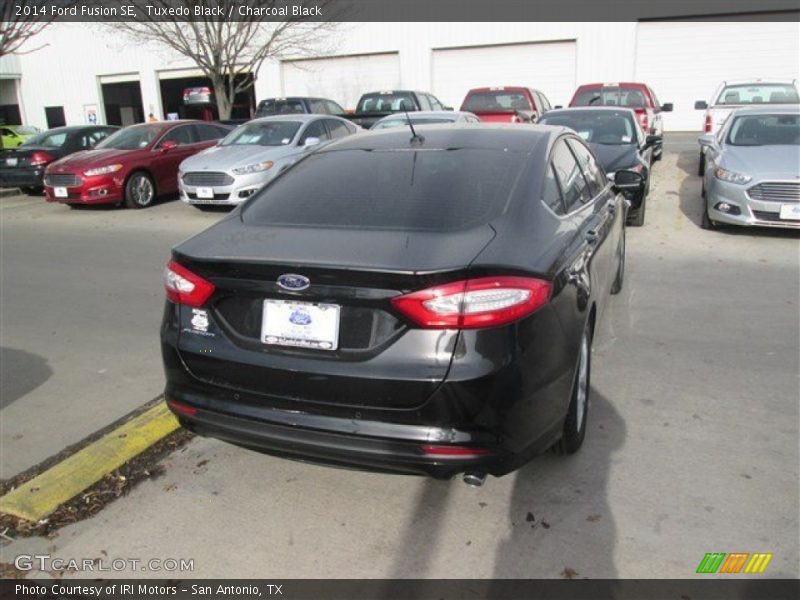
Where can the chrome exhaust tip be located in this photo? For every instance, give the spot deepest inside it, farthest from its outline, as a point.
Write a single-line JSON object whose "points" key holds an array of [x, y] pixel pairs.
{"points": [[473, 479]]}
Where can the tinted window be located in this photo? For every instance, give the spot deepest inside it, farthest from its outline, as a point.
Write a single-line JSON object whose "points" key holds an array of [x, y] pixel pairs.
{"points": [[337, 128], [91, 138], [181, 135], [765, 130], [438, 190], [263, 133], [500, 101], [574, 186], [52, 139], [593, 173], [596, 127], [207, 133], [132, 138], [759, 94], [389, 102], [315, 129], [551, 193], [612, 96], [280, 107]]}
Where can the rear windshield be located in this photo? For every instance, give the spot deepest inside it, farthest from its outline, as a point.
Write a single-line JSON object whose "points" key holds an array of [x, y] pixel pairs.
{"points": [[268, 133], [612, 128], [767, 93], [26, 130], [433, 190], [403, 122], [612, 96], [390, 102], [49, 139], [280, 107], [765, 130], [505, 101]]}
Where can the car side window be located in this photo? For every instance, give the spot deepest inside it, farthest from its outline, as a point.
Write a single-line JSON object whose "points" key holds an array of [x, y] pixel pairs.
{"points": [[91, 138], [315, 129], [591, 170], [182, 136], [656, 103], [333, 108], [424, 103], [6, 132], [573, 184], [207, 133], [318, 107], [337, 128], [436, 104], [551, 192], [545, 102]]}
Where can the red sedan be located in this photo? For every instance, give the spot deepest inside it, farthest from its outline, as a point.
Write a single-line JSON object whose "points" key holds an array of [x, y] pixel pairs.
{"points": [[134, 166]]}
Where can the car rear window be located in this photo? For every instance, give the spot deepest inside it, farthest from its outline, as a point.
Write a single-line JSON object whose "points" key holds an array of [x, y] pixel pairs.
{"points": [[403, 122], [386, 102], [496, 101], [433, 190], [612, 96], [280, 107], [612, 128], [767, 93]]}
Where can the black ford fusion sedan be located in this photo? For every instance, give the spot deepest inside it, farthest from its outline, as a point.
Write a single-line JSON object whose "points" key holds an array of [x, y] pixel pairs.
{"points": [[618, 142], [420, 303]]}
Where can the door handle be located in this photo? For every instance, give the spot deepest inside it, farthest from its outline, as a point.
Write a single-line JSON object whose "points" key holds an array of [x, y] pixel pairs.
{"points": [[592, 236]]}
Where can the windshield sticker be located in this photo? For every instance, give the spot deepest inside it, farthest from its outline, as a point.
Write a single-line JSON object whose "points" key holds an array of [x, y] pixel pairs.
{"points": [[626, 139], [585, 134], [285, 141]]}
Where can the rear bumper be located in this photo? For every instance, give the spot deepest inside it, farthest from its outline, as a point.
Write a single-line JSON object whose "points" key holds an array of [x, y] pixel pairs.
{"points": [[335, 441], [21, 177]]}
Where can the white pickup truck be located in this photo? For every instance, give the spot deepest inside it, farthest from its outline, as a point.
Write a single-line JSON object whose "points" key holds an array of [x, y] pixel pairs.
{"points": [[733, 94]]}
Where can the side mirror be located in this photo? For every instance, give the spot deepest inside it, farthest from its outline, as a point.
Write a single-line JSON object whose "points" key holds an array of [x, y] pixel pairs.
{"points": [[667, 107], [310, 142], [652, 140], [707, 140], [628, 180], [700, 105], [448, 108], [168, 145]]}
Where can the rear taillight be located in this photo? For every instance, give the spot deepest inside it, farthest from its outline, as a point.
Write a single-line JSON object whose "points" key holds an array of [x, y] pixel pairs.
{"points": [[641, 114], [184, 287], [41, 158], [183, 409], [474, 303], [708, 125]]}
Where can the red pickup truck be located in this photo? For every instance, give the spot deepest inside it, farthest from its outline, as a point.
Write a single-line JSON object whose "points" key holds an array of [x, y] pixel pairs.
{"points": [[637, 96], [506, 104]]}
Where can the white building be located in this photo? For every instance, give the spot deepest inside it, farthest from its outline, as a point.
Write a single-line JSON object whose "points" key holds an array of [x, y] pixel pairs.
{"points": [[87, 71]]}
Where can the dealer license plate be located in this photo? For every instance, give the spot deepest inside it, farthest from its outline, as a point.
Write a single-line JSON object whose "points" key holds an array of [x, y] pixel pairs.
{"points": [[300, 324]]}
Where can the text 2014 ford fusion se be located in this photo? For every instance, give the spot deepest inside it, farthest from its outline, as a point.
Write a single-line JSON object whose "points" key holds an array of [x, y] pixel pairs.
{"points": [[418, 302]]}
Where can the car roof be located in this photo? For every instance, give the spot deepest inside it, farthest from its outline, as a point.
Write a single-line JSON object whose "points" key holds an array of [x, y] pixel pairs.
{"points": [[416, 114], [571, 109], [758, 80], [298, 117], [500, 88], [769, 109], [487, 136]]}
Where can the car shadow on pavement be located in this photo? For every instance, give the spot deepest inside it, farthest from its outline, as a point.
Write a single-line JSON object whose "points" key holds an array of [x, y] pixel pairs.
{"points": [[20, 373], [560, 521]]}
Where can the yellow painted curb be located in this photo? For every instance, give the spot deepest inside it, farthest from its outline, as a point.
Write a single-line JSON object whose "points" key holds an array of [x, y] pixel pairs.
{"points": [[40, 496]]}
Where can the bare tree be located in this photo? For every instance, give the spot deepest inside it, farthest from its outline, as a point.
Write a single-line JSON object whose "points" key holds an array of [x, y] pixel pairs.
{"points": [[230, 52], [23, 19]]}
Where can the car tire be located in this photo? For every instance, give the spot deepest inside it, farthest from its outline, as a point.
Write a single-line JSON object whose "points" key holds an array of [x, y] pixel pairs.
{"points": [[140, 191], [707, 222], [616, 287], [636, 217], [701, 165], [575, 424]]}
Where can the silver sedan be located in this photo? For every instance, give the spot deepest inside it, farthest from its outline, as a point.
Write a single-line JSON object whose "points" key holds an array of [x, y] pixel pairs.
{"points": [[425, 117], [753, 169], [252, 154]]}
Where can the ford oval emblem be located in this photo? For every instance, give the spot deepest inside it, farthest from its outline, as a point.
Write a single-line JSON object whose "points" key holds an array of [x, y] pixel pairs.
{"points": [[292, 282]]}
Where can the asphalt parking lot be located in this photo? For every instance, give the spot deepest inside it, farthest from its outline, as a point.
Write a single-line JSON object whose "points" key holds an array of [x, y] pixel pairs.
{"points": [[692, 444]]}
